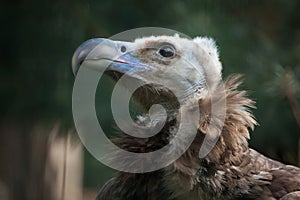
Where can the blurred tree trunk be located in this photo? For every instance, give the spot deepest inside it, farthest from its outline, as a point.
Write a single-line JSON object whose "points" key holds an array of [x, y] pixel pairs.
{"points": [[36, 164], [14, 157]]}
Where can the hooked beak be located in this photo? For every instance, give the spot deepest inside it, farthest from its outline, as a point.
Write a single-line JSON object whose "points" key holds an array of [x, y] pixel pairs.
{"points": [[100, 53]]}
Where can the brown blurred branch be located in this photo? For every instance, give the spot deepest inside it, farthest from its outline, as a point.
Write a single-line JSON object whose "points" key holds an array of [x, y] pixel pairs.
{"points": [[289, 91]]}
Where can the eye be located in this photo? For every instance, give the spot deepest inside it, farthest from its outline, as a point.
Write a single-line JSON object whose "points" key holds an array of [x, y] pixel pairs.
{"points": [[166, 51]]}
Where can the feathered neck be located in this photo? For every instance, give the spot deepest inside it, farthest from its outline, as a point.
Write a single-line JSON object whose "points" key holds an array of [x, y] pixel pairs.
{"points": [[238, 118], [190, 172], [230, 152]]}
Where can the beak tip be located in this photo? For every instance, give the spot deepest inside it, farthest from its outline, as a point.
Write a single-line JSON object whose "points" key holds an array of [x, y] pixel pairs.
{"points": [[75, 66], [82, 52]]}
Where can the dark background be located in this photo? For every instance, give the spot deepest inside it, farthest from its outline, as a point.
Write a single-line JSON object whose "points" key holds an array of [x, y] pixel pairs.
{"points": [[258, 38]]}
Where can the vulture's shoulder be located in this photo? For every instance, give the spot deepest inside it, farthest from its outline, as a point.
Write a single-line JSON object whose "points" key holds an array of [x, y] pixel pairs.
{"points": [[285, 182], [277, 180]]}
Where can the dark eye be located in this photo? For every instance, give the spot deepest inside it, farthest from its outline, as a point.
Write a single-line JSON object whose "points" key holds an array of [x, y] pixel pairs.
{"points": [[166, 51]]}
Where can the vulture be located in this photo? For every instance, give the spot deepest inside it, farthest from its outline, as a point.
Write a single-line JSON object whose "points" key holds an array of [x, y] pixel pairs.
{"points": [[230, 169]]}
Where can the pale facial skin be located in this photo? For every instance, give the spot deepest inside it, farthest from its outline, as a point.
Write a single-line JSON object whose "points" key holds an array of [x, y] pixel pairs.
{"points": [[158, 60]]}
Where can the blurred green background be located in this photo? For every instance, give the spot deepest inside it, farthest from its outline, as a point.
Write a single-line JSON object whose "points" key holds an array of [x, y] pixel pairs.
{"points": [[258, 38]]}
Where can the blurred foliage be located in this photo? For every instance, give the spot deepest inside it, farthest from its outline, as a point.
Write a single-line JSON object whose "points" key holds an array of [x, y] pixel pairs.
{"points": [[257, 38]]}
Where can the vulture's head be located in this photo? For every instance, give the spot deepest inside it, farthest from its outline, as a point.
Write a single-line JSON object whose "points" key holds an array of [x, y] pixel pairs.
{"points": [[166, 64], [176, 69]]}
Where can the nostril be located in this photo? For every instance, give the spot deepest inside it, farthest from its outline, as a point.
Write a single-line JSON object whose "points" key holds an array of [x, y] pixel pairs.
{"points": [[123, 49]]}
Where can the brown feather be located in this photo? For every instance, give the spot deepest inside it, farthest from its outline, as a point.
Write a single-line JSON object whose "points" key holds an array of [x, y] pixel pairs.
{"points": [[230, 171]]}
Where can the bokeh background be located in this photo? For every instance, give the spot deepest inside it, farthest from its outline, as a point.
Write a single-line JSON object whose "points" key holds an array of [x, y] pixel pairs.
{"points": [[40, 155]]}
